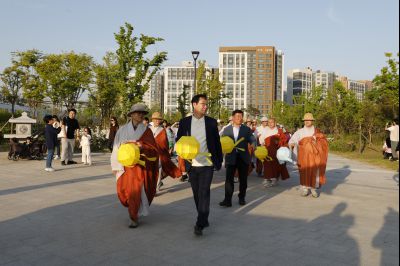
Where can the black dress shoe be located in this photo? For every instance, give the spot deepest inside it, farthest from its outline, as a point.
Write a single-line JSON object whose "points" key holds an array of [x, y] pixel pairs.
{"points": [[184, 178], [242, 202], [206, 225], [63, 163], [72, 162], [198, 230], [225, 204]]}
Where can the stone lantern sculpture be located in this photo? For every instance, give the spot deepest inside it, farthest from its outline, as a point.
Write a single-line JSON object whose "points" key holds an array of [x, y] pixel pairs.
{"points": [[23, 127]]}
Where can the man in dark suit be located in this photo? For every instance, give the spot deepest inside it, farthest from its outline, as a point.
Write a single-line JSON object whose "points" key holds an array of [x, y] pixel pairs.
{"points": [[205, 130], [239, 159]]}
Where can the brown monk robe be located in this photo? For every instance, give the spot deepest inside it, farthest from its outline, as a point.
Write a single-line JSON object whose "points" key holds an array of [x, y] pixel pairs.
{"points": [[181, 165], [129, 184], [272, 168], [168, 167], [312, 159]]}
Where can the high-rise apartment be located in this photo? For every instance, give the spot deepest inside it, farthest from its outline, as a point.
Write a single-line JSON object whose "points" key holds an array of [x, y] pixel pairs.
{"points": [[252, 76], [155, 94], [358, 87], [299, 81], [175, 78]]}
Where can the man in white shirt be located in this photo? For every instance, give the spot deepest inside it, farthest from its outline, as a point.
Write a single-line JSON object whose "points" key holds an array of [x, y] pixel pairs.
{"points": [[205, 130], [394, 136]]}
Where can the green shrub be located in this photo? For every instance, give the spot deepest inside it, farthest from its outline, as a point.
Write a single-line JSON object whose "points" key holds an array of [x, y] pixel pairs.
{"points": [[99, 143], [342, 145]]}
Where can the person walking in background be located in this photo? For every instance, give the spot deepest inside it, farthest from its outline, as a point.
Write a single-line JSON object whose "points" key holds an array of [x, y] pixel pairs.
{"points": [[171, 138], [394, 136], [201, 171], [239, 159], [85, 145], [312, 155], [71, 126], [113, 131], [50, 132], [146, 121], [261, 134], [274, 139], [166, 166]]}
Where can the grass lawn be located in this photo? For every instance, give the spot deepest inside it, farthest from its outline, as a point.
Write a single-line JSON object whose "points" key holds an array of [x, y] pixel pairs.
{"points": [[371, 157]]}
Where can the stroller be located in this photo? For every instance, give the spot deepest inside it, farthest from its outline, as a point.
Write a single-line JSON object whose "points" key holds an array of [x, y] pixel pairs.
{"points": [[32, 149]]}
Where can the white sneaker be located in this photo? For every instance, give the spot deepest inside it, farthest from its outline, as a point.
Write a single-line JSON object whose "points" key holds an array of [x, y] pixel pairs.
{"points": [[49, 169], [304, 192], [267, 183], [274, 182], [56, 157]]}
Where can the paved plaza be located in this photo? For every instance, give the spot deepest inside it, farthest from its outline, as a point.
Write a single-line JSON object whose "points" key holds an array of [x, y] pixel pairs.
{"points": [[73, 217]]}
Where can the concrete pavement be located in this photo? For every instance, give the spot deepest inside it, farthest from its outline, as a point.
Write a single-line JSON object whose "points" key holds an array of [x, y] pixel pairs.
{"points": [[73, 217]]}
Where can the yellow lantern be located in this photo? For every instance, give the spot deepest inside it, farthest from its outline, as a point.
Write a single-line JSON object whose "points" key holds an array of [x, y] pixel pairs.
{"points": [[261, 153], [129, 155], [187, 147], [228, 145]]}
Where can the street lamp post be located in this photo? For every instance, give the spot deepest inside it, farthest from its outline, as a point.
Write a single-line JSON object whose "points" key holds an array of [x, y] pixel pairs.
{"points": [[195, 55]]}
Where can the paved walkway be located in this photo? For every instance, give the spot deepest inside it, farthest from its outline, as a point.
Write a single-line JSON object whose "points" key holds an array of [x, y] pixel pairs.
{"points": [[73, 217]]}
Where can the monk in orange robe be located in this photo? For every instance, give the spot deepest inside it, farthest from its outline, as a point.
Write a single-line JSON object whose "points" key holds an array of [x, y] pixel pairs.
{"points": [[168, 168], [312, 156], [136, 185], [274, 139]]}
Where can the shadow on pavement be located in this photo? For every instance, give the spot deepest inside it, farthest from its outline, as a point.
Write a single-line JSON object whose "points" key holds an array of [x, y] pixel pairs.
{"points": [[387, 240], [58, 183], [335, 177], [95, 231]]}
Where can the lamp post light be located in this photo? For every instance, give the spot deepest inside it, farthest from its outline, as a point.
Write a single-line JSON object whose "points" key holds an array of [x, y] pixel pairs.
{"points": [[195, 55]]}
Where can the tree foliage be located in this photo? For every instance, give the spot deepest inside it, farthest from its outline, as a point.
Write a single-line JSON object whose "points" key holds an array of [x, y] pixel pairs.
{"points": [[66, 77], [11, 85], [105, 95], [208, 83], [183, 101], [135, 70], [33, 88]]}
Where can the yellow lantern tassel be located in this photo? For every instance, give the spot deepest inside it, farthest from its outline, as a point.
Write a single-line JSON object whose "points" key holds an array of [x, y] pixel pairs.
{"points": [[151, 159]]}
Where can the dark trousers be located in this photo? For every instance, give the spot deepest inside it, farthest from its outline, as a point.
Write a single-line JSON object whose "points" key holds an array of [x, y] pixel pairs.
{"points": [[243, 169], [200, 180]]}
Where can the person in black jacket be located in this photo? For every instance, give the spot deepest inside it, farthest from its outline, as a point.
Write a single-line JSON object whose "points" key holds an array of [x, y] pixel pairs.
{"points": [[50, 132], [205, 130], [239, 159]]}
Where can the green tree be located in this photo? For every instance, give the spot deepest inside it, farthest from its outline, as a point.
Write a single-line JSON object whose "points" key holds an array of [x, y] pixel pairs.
{"points": [[136, 71], [66, 77], [183, 101], [105, 95], [33, 89], [208, 83], [11, 85], [386, 88]]}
